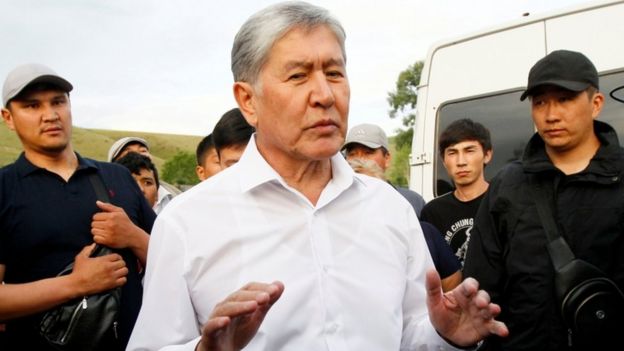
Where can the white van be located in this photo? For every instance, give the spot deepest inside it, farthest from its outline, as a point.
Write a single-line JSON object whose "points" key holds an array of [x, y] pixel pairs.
{"points": [[481, 77]]}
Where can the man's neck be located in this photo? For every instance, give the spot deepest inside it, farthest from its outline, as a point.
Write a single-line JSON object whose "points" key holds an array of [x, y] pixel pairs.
{"points": [[309, 178], [63, 163], [471, 191], [575, 160]]}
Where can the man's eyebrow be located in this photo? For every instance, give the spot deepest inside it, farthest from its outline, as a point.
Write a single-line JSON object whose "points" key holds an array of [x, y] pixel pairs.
{"points": [[334, 62], [27, 100], [290, 65]]}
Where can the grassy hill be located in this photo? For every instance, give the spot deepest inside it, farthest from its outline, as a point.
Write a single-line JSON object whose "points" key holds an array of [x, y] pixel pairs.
{"points": [[94, 143]]}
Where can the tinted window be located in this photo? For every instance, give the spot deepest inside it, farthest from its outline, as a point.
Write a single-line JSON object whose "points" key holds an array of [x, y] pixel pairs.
{"points": [[510, 124]]}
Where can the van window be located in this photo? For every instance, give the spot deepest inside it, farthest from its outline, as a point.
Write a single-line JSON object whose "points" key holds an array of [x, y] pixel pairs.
{"points": [[510, 124]]}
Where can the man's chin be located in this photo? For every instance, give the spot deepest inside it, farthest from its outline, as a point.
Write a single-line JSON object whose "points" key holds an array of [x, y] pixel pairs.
{"points": [[55, 148]]}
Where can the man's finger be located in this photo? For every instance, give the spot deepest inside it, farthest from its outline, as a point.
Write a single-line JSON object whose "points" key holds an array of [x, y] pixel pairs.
{"points": [[234, 308], [107, 207], [245, 295], [433, 285], [86, 251], [215, 324]]}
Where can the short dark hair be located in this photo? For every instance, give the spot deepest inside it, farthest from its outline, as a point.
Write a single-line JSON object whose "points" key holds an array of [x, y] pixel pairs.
{"points": [[204, 146], [135, 162], [462, 130], [231, 130]]}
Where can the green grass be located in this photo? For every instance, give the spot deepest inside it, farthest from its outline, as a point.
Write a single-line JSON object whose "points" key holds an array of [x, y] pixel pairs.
{"points": [[94, 143]]}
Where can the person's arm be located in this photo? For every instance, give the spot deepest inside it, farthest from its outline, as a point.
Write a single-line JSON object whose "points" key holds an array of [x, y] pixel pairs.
{"points": [[89, 276], [484, 258], [453, 280], [112, 227], [445, 261]]}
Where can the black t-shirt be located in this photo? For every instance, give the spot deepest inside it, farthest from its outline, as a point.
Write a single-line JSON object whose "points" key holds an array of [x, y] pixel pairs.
{"points": [[45, 221], [454, 219]]}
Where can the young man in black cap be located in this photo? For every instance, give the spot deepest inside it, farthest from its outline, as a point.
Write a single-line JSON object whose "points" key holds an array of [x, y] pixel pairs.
{"points": [[580, 161], [49, 217]]}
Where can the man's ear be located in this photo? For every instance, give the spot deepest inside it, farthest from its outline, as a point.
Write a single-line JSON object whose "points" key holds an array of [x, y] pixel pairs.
{"points": [[245, 97], [597, 103], [488, 156], [387, 160], [7, 116], [200, 172]]}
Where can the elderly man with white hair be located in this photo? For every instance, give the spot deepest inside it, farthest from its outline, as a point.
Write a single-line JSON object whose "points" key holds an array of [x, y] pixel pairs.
{"points": [[289, 249]]}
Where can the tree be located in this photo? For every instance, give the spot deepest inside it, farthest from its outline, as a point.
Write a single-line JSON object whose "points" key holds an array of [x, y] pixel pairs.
{"points": [[180, 169], [404, 99], [403, 102]]}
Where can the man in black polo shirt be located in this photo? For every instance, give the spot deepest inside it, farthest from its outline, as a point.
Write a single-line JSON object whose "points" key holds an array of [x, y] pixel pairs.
{"points": [[49, 216]]}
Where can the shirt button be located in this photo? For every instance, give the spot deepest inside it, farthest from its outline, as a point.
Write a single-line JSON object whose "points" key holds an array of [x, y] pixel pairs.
{"points": [[332, 328], [325, 268]]}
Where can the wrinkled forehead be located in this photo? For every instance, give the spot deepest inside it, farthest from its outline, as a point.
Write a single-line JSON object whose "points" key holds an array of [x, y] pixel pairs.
{"points": [[295, 36]]}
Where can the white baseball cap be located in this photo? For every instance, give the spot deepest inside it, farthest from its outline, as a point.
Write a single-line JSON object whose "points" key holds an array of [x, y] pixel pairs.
{"points": [[369, 135], [25, 75], [120, 144]]}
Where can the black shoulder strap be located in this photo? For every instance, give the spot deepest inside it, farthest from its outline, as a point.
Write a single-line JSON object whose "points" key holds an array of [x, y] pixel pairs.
{"points": [[98, 186], [559, 251], [102, 195]]}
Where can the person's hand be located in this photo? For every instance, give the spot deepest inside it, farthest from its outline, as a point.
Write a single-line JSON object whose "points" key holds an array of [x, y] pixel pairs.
{"points": [[463, 315], [234, 321], [112, 227], [96, 274]]}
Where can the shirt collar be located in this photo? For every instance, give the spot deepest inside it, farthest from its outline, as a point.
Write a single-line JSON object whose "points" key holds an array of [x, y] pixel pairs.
{"points": [[254, 170], [25, 167]]}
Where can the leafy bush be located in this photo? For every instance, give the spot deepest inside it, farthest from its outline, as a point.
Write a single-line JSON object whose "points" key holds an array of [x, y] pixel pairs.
{"points": [[180, 169]]}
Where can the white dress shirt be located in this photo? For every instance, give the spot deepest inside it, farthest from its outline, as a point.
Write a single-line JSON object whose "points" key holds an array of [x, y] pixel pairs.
{"points": [[164, 197], [353, 265]]}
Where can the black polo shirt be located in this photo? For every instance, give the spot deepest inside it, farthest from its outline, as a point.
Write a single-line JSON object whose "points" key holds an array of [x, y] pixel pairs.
{"points": [[45, 221]]}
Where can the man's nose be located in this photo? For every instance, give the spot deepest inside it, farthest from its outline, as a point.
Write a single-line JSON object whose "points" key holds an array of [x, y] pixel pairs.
{"points": [[322, 93], [461, 158], [552, 110], [49, 113]]}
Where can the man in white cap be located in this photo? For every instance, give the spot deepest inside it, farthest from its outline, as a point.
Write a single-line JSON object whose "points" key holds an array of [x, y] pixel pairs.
{"points": [[125, 145], [50, 216], [366, 149], [368, 142]]}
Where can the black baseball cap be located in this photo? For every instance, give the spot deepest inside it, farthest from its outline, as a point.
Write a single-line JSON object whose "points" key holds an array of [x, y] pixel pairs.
{"points": [[570, 70]]}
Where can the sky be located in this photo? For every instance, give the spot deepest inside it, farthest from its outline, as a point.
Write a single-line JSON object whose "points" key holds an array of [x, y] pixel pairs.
{"points": [[163, 66]]}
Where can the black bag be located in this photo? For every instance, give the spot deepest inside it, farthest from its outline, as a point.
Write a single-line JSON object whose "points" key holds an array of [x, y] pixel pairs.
{"points": [[591, 304], [83, 323]]}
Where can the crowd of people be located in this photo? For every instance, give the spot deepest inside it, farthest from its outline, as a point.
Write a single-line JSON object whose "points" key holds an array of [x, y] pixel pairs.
{"points": [[294, 238]]}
